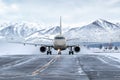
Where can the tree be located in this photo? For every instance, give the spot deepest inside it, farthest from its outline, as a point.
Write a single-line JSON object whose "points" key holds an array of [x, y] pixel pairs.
{"points": [[100, 46], [116, 48]]}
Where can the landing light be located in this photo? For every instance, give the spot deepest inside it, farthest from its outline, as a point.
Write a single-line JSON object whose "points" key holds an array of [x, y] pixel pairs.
{"points": [[59, 50]]}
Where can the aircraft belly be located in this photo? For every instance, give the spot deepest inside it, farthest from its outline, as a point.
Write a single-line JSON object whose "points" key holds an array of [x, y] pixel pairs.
{"points": [[62, 47], [60, 44]]}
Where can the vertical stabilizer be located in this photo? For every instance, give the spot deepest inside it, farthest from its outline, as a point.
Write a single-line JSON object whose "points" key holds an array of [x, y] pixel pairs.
{"points": [[60, 25]]}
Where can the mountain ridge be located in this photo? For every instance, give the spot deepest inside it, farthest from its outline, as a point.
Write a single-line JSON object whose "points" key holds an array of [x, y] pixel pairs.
{"points": [[98, 30]]}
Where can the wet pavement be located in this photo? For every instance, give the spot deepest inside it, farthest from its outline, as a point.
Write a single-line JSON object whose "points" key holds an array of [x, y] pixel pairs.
{"points": [[59, 67]]}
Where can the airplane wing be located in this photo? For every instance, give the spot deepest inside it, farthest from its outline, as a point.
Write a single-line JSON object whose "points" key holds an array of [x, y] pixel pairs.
{"points": [[33, 43], [40, 43]]}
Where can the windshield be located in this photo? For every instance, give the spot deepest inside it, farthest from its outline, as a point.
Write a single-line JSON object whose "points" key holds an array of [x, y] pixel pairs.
{"points": [[59, 38]]}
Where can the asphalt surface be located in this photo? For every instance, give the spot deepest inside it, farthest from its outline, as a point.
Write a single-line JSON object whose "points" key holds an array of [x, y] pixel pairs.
{"points": [[99, 67], [59, 67]]}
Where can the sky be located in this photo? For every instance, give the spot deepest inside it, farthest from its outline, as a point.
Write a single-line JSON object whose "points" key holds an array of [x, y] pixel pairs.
{"points": [[47, 12]]}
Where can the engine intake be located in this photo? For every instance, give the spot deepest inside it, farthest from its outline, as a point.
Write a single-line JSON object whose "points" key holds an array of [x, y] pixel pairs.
{"points": [[77, 49], [42, 49]]}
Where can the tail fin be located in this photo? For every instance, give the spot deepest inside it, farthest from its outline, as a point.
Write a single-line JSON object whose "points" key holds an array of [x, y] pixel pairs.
{"points": [[60, 25]]}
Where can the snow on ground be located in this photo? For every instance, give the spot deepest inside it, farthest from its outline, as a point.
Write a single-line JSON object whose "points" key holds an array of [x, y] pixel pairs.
{"points": [[97, 50], [112, 54], [17, 49]]}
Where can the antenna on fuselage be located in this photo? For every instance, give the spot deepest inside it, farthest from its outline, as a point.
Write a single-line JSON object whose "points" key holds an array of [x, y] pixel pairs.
{"points": [[60, 25]]}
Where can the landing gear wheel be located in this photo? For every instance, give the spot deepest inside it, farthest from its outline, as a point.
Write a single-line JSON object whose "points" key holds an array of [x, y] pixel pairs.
{"points": [[49, 52], [59, 53], [71, 52]]}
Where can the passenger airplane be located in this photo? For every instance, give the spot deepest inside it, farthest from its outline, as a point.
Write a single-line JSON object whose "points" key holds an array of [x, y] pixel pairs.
{"points": [[59, 44]]}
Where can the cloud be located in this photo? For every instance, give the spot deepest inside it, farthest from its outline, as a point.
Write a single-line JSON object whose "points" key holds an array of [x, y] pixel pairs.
{"points": [[2, 7], [112, 2], [8, 12], [14, 7], [5, 8], [74, 12]]}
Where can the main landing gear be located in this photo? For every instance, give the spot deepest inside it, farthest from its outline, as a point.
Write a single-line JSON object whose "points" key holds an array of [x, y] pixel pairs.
{"points": [[49, 51], [71, 51]]}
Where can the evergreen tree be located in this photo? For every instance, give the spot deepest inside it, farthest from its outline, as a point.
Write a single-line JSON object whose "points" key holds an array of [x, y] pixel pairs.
{"points": [[116, 48], [100, 46]]}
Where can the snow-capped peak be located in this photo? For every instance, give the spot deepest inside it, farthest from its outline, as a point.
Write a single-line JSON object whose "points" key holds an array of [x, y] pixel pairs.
{"points": [[101, 21], [105, 24]]}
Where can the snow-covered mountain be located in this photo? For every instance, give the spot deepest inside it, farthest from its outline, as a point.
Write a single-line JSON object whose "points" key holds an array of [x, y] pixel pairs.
{"points": [[17, 30], [99, 30], [23, 30]]}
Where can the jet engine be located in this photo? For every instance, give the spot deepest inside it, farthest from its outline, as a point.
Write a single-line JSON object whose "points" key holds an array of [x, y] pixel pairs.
{"points": [[77, 49], [43, 49]]}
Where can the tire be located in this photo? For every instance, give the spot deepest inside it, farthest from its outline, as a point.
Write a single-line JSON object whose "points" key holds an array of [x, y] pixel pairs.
{"points": [[47, 52], [69, 53], [72, 53], [50, 53], [59, 53]]}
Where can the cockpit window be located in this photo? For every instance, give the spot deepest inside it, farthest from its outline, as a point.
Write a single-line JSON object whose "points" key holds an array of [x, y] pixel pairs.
{"points": [[59, 38]]}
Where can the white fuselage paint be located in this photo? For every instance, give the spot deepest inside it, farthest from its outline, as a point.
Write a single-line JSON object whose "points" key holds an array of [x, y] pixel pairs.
{"points": [[59, 42]]}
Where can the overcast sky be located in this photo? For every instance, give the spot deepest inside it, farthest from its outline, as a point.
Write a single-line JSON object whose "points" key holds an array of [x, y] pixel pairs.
{"points": [[47, 12]]}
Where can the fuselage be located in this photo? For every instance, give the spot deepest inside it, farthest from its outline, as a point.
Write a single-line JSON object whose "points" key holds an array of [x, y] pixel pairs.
{"points": [[59, 42]]}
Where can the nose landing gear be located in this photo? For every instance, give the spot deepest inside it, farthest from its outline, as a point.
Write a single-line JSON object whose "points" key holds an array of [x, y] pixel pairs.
{"points": [[59, 52]]}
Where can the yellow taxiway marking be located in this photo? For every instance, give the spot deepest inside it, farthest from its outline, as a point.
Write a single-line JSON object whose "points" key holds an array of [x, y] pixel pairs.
{"points": [[36, 72]]}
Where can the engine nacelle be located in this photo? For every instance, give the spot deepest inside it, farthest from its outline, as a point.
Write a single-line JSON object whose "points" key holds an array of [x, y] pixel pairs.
{"points": [[42, 49], [77, 49]]}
